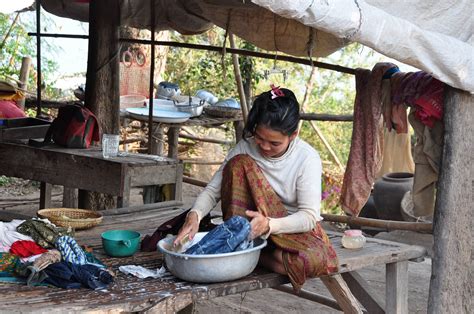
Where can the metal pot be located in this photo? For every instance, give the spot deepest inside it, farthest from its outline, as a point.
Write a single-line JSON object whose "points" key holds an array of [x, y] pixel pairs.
{"points": [[211, 267], [193, 106]]}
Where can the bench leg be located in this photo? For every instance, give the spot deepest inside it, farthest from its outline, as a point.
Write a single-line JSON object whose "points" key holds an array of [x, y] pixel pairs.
{"points": [[69, 197], [362, 291], [396, 288], [45, 195], [341, 292]]}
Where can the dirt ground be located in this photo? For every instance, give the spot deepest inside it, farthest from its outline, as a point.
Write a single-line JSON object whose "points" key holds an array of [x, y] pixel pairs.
{"points": [[21, 196]]}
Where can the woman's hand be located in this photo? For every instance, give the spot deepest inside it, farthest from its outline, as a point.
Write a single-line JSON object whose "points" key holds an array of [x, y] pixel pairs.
{"points": [[259, 224], [189, 229]]}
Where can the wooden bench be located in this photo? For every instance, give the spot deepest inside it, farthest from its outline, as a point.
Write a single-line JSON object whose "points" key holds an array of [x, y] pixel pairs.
{"points": [[170, 294], [86, 169]]}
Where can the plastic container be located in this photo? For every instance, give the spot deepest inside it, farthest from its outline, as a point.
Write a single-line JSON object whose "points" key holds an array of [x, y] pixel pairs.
{"points": [[353, 239], [119, 243], [132, 101]]}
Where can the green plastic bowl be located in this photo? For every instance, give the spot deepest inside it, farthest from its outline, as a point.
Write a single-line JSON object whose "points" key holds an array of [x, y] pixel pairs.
{"points": [[120, 243]]}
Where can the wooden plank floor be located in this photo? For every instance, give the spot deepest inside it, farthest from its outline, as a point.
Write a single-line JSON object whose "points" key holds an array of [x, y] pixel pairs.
{"points": [[169, 294]]}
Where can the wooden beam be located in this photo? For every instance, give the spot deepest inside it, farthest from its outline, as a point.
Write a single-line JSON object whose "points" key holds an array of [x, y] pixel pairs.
{"points": [[451, 284], [341, 292], [326, 117], [206, 139], [242, 52], [380, 223], [372, 302], [321, 299], [194, 181]]}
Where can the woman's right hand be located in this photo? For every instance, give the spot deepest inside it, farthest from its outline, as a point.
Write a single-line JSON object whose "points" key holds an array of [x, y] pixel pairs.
{"points": [[190, 228]]}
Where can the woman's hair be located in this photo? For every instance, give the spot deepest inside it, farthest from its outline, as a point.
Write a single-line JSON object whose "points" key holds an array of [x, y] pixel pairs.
{"points": [[279, 113]]}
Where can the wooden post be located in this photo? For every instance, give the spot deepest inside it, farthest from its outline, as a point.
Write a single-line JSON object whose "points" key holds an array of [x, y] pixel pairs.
{"points": [[238, 79], [24, 73], [102, 78], [396, 288], [451, 285], [45, 195], [341, 292]]}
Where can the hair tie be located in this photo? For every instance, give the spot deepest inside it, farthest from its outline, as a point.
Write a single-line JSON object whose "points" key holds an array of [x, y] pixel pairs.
{"points": [[276, 91]]}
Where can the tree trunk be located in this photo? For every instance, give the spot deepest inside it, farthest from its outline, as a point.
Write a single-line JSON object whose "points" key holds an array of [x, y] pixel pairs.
{"points": [[451, 285], [102, 80]]}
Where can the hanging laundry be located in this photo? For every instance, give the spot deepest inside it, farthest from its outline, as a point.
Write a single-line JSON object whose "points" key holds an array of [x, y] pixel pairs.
{"points": [[428, 150], [365, 156], [422, 91]]}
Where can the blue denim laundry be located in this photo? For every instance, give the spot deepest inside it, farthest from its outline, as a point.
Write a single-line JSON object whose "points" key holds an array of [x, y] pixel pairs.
{"points": [[224, 238], [72, 276]]}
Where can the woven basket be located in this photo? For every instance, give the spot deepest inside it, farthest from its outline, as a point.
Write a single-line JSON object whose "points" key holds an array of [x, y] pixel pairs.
{"points": [[223, 112], [71, 217]]}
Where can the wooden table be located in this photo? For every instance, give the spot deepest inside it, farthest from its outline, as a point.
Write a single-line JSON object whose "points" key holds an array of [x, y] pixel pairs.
{"points": [[86, 169], [170, 294]]}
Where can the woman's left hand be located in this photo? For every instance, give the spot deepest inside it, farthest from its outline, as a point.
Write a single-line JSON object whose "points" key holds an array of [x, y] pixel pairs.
{"points": [[259, 224]]}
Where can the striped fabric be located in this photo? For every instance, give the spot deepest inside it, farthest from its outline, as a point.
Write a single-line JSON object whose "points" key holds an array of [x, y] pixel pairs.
{"points": [[305, 255], [70, 250]]}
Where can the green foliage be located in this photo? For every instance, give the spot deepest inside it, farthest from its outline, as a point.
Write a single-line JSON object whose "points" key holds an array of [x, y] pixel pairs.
{"points": [[18, 44], [5, 180]]}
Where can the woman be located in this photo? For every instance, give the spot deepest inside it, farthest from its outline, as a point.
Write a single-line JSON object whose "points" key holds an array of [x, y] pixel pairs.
{"points": [[269, 173]]}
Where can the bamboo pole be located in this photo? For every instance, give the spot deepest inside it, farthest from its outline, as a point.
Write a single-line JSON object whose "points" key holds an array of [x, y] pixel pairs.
{"points": [[242, 52], [194, 181], [319, 133], [206, 139], [238, 79], [379, 223], [326, 117], [201, 162]]}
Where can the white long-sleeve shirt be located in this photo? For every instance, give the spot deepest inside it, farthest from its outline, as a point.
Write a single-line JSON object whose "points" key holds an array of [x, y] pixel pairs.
{"points": [[295, 177]]}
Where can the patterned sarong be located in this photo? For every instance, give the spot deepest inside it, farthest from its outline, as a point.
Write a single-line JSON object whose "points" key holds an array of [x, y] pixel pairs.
{"points": [[305, 255]]}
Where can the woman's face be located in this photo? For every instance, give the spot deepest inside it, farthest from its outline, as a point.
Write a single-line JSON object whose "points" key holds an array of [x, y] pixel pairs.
{"points": [[272, 143]]}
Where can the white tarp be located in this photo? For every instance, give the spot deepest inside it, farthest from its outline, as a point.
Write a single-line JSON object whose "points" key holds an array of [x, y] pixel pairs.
{"points": [[435, 36], [432, 35]]}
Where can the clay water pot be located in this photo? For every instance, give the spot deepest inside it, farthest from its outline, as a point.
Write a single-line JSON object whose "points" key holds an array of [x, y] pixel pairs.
{"points": [[388, 194]]}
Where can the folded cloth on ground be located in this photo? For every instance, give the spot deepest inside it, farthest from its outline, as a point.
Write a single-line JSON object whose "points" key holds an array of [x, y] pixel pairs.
{"points": [[25, 248], [46, 259], [70, 250], [72, 276], [224, 238], [8, 262], [43, 233], [9, 234], [142, 272]]}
